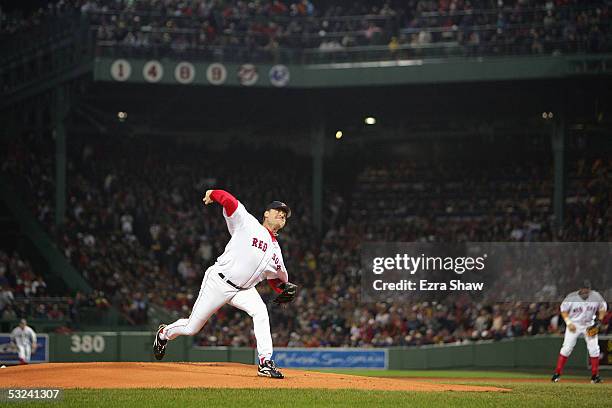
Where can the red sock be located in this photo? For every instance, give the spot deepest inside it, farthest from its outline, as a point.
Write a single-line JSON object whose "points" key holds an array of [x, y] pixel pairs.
{"points": [[594, 365], [561, 363]]}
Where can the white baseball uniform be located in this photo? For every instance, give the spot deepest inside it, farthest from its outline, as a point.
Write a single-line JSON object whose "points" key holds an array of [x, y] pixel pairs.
{"points": [[23, 339], [582, 313], [251, 255]]}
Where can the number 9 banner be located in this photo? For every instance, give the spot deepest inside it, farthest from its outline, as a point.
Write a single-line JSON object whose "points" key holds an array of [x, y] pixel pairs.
{"points": [[216, 74]]}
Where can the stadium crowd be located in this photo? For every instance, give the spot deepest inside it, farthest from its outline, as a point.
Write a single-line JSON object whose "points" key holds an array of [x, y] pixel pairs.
{"points": [[18, 280], [25, 294], [267, 29], [136, 229]]}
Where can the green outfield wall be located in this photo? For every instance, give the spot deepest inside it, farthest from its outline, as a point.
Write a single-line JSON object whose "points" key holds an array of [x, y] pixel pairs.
{"points": [[135, 346], [534, 352], [382, 73], [528, 352]]}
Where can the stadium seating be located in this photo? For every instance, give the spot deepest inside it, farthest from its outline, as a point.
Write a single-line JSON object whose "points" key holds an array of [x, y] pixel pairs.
{"points": [[137, 230], [301, 31]]}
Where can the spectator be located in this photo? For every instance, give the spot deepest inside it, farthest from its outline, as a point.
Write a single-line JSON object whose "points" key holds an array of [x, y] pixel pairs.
{"points": [[6, 297]]}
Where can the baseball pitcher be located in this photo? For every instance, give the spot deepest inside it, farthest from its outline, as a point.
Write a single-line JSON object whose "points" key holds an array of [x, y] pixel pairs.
{"points": [[24, 339], [583, 312], [251, 255]]}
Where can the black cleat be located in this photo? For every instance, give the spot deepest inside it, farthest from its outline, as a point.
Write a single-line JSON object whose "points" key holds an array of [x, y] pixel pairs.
{"points": [[159, 345], [555, 377], [269, 369], [596, 379]]}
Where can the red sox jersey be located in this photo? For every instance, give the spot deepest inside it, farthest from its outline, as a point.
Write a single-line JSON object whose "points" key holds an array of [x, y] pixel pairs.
{"points": [[252, 254], [582, 312]]}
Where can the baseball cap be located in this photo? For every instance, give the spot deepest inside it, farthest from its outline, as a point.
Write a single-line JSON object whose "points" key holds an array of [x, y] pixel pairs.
{"points": [[279, 205]]}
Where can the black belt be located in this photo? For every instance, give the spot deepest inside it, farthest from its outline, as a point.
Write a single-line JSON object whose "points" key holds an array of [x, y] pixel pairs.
{"points": [[230, 282]]}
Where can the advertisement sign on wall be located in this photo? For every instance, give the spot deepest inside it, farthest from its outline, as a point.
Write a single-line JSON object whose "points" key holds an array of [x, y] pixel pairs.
{"points": [[8, 351], [331, 358]]}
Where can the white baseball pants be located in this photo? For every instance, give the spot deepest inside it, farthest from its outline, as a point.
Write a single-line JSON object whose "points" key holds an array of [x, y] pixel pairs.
{"points": [[569, 341], [24, 352], [214, 293]]}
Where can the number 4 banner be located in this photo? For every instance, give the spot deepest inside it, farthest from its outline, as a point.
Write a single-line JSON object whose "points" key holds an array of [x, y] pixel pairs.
{"points": [[153, 71]]}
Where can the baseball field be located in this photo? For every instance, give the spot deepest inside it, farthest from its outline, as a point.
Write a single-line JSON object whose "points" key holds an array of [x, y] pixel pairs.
{"points": [[231, 385]]}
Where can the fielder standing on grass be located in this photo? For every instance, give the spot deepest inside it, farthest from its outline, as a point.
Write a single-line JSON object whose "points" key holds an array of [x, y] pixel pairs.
{"points": [[24, 339], [583, 312], [251, 255]]}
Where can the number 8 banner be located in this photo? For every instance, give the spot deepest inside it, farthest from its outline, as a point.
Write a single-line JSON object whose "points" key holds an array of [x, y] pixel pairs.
{"points": [[184, 72]]}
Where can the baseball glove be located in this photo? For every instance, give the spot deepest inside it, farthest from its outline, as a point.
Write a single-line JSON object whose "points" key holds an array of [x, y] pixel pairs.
{"points": [[593, 330], [289, 290]]}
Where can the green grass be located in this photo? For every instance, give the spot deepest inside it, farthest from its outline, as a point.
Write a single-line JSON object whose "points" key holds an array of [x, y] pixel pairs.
{"points": [[523, 395]]}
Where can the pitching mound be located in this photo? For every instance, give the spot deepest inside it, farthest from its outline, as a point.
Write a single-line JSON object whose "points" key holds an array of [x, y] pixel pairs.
{"points": [[199, 375]]}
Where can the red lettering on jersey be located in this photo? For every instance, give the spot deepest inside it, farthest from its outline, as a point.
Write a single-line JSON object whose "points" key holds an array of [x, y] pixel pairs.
{"points": [[258, 243], [276, 262]]}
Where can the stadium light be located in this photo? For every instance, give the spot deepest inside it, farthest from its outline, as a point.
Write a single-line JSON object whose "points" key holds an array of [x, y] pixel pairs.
{"points": [[122, 116], [339, 135], [370, 120]]}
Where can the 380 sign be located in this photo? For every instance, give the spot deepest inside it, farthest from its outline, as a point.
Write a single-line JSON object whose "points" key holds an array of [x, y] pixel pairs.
{"points": [[87, 343]]}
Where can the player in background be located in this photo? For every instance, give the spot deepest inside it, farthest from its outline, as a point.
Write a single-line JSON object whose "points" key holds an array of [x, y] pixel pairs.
{"points": [[25, 339], [582, 311], [251, 255]]}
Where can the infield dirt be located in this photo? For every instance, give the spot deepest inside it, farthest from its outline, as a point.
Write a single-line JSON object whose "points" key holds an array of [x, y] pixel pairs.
{"points": [[202, 375]]}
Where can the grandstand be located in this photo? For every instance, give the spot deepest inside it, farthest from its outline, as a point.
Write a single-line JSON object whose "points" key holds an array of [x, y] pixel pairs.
{"points": [[492, 125]]}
